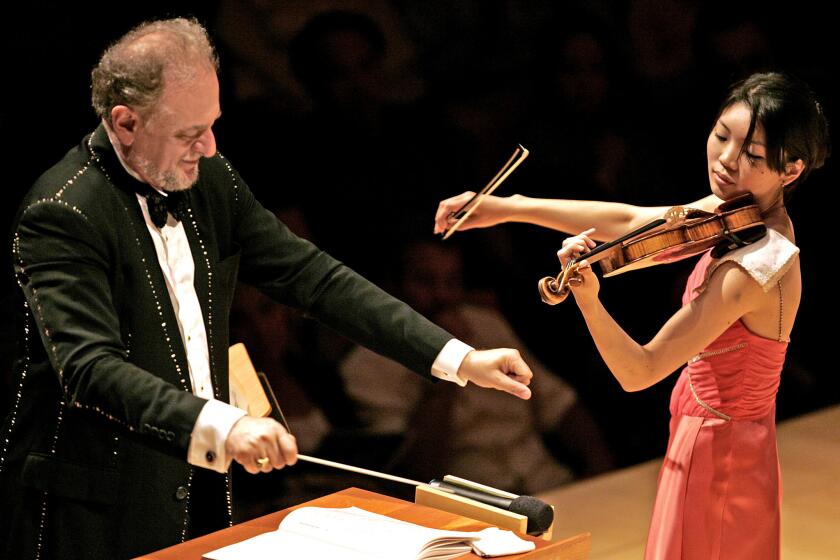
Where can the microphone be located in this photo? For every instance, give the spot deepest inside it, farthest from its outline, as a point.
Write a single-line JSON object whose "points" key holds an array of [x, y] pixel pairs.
{"points": [[540, 515]]}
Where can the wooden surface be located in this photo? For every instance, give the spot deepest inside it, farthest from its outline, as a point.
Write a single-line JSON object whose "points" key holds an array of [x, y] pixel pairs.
{"points": [[616, 507], [245, 382], [571, 548]]}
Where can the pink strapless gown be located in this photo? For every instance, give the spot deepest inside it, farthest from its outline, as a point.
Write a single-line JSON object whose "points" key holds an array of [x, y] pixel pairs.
{"points": [[719, 489]]}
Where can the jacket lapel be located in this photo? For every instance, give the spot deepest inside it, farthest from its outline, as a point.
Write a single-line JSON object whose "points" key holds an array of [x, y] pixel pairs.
{"points": [[142, 258]]}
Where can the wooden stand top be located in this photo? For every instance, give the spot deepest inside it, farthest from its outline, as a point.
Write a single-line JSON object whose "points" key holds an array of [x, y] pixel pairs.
{"points": [[573, 548]]}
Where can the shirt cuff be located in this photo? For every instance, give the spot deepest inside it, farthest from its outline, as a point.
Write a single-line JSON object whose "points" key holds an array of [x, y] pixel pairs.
{"points": [[449, 361], [207, 442]]}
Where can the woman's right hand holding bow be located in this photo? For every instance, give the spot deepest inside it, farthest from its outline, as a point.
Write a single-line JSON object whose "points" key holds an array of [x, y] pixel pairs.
{"points": [[492, 211]]}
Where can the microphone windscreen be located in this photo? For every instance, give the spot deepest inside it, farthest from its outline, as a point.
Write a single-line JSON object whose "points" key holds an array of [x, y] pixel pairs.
{"points": [[540, 515]]}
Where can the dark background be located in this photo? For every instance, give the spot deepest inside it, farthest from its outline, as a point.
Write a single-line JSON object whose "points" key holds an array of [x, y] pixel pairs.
{"points": [[474, 80]]}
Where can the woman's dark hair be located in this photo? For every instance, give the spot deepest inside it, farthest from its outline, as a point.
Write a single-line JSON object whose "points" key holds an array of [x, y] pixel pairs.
{"points": [[793, 120]]}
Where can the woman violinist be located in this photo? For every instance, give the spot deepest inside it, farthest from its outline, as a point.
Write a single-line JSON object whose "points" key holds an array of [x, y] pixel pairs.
{"points": [[719, 490]]}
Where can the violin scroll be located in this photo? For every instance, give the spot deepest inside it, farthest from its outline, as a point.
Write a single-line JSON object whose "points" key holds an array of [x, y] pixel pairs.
{"points": [[556, 290], [551, 292]]}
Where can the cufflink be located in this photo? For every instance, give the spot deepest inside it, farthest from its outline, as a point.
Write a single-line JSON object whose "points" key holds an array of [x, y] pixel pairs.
{"points": [[210, 456]]}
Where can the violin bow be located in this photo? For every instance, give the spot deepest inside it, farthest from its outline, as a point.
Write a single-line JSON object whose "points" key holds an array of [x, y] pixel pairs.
{"points": [[462, 213]]}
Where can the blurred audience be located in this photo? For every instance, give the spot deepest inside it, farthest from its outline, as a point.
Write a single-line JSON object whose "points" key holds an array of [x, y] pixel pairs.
{"points": [[363, 113], [268, 331], [580, 125], [729, 48], [371, 163], [524, 447], [256, 35]]}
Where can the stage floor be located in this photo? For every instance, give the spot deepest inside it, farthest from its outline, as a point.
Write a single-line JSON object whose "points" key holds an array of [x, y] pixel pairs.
{"points": [[616, 507]]}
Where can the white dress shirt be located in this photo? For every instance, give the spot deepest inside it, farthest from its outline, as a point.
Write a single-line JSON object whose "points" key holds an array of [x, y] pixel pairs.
{"points": [[207, 442]]}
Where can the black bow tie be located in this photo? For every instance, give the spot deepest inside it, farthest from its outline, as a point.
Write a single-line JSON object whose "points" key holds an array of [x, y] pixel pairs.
{"points": [[159, 205]]}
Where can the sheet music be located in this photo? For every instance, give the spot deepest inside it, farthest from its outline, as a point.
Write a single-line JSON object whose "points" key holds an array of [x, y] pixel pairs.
{"points": [[351, 533], [356, 534]]}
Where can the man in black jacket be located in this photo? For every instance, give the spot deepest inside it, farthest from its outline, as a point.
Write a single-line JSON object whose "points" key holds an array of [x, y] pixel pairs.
{"points": [[120, 438]]}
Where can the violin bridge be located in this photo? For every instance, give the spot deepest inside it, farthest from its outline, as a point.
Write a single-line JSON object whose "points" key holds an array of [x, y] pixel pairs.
{"points": [[676, 215]]}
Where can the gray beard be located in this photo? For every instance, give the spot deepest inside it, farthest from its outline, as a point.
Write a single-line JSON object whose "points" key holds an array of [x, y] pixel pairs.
{"points": [[167, 181]]}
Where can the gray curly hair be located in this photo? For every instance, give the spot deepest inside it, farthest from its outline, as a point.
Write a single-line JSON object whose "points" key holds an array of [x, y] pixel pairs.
{"points": [[131, 71]]}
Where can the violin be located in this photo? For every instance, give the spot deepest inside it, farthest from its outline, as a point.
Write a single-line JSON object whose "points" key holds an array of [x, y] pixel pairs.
{"points": [[683, 232]]}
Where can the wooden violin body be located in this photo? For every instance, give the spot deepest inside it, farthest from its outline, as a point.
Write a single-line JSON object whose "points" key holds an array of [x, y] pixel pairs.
{"points": [[682, 233]]}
